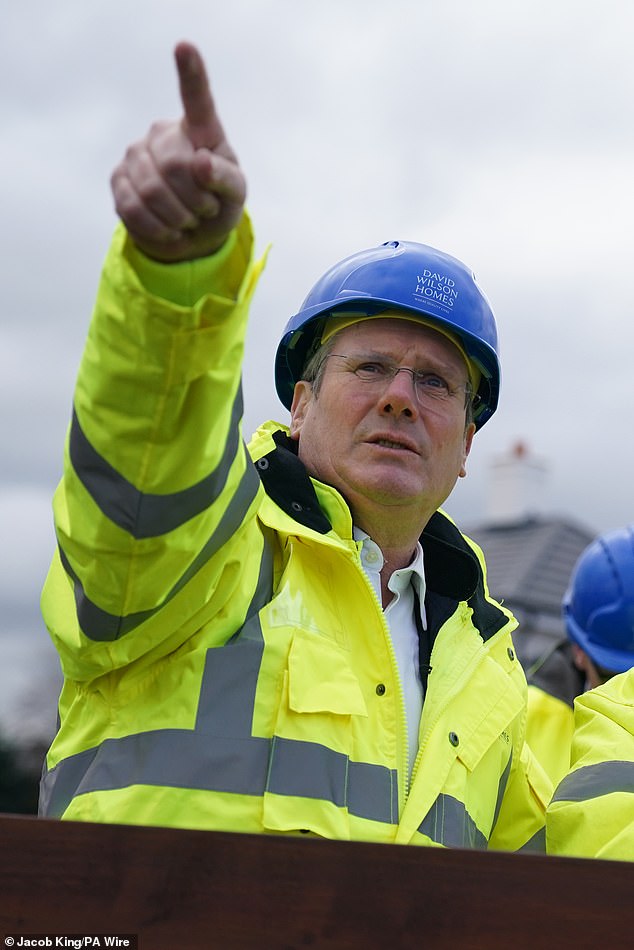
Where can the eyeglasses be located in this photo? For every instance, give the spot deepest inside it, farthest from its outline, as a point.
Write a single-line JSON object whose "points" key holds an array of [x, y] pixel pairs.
{"points": [[430, 388]]}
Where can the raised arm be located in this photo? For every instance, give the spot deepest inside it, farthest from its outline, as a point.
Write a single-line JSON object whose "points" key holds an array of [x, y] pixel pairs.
{"points": [[180, 190], [154, 462]]}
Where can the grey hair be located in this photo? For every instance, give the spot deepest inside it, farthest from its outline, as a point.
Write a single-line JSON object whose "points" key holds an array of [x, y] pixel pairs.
{"points": [[314, 366]]}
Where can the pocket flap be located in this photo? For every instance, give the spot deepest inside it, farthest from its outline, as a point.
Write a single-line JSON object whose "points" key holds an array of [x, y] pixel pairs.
{"points": [[321, 679], [495, 704]]}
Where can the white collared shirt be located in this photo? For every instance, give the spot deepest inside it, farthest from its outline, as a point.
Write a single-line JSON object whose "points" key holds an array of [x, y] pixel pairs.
{"points": [[399, 616]]}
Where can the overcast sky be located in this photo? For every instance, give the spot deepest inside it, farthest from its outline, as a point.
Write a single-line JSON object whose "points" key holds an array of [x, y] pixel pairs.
{"points": [[500, 131]]}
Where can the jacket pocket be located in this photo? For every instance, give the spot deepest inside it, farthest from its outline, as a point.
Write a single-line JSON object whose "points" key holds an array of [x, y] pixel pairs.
{"points": [[320, 679], [308, 780]]}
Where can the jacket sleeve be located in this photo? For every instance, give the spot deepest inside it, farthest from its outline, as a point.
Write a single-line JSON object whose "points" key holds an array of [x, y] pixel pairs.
{"points": [[156, 477], [592, 811]]}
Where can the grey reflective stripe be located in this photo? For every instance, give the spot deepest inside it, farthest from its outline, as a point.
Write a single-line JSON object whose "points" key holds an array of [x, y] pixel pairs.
{"points": [[95, 623], [449, 823], [373, 792], [227, 692], [58, 785], [99, 624], [311, 770], [176, 758], [147, 515], [592, 781], [179, 758], [501, 789], [536, 844]]}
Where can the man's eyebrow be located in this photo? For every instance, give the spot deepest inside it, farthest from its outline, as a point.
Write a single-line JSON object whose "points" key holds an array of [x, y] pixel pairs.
{"points": [[438, 361]]}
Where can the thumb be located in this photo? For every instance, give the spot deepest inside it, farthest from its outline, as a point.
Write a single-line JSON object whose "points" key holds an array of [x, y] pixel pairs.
{"points": [[200, 122]]}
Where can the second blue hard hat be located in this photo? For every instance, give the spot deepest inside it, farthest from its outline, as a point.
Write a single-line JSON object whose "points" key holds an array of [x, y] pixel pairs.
{"points": [[598, 606]]}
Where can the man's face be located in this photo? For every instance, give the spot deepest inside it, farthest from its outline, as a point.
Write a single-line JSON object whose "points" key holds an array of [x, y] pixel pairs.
{"points": [[380, 445]]}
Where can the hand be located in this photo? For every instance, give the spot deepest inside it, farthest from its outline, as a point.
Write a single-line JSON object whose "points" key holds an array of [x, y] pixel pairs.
{"points": [[179, 190]]}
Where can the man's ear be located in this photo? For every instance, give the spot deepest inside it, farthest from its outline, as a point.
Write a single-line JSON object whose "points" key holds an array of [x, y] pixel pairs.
{"points": [[580, 658], [302, 397], [468, 439]]}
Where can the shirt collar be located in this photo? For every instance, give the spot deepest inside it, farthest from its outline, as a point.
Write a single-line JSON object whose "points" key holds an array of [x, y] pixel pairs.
{"points": [[373, 561]]}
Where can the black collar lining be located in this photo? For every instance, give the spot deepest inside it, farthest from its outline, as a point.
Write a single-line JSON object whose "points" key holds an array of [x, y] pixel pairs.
{"points": [[452, 569], [287, 483]]}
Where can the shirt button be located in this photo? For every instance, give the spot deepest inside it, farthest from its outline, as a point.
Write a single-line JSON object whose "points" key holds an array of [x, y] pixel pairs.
{"points": [[380, 689], [371, 557], [510, 654], [453, 738]]}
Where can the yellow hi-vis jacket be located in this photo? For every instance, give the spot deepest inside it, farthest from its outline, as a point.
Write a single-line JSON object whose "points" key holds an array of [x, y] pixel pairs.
{"points": [[227, 664], [554, 681], [549, 732], [592, 811]]}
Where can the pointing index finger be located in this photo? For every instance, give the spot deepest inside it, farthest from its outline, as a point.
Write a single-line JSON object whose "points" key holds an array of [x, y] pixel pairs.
{"points": [[201, 121]]}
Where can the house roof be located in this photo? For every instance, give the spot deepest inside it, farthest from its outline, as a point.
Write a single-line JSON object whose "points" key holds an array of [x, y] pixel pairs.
{"points": [[529, 562]]}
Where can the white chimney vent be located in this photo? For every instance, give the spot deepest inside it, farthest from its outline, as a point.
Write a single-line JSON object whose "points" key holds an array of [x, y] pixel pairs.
{"points": [[516, 487]]}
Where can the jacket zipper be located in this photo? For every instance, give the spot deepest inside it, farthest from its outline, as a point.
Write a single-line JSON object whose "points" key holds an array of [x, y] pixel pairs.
{"points": [[404, 765]]}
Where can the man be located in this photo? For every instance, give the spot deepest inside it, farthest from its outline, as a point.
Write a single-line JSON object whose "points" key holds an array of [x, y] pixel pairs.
{"points": [[592, 810], [247, 640], [598, 611]]}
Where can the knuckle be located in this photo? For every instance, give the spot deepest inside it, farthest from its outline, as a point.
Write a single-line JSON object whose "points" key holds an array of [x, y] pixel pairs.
{"points": [[130, 213], [209, 206], [133, 152], [159, 127], [173, 167], [151, 189]]}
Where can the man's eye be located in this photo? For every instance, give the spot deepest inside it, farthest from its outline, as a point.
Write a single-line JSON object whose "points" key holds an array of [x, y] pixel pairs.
{"points": [[372, 368], [429, 382]]}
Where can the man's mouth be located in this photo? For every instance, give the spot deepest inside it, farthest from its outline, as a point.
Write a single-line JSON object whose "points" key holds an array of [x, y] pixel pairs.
{"points": [[393, 444]]}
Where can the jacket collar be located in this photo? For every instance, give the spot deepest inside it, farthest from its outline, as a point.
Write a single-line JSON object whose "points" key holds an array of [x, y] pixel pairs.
{"points": [[452, 568]]}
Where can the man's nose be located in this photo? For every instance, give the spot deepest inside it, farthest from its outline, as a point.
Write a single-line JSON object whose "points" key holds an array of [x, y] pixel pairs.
{"points": [[400, 394]]}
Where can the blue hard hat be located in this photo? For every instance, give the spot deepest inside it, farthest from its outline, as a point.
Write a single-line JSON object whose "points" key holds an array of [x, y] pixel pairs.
{"points": [[402, 275], [598, 606]]}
